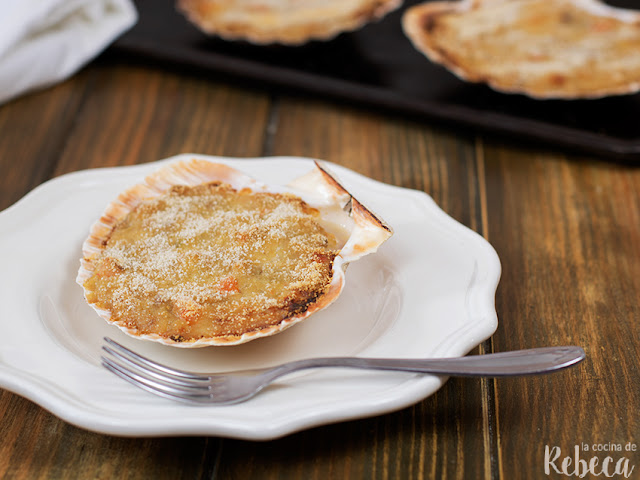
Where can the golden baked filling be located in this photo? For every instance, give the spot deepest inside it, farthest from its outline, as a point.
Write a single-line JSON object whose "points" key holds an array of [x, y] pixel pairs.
{"points": [[288, 22], [212, 261], [542, 48]]}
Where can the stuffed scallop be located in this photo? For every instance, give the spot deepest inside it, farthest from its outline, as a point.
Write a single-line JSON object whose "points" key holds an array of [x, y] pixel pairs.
{"points": [[287, 22], [201, 254], [564, 49]]}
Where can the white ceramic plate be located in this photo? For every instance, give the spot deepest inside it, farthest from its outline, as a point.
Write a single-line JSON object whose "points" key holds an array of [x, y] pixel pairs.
{"points": [[428, 292]]}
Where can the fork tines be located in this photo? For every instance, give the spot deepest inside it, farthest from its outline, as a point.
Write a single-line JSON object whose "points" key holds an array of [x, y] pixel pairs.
{"points": [[154, 377]]}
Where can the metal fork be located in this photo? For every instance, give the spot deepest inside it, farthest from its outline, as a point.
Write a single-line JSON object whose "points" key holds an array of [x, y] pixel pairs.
{"points": [[229, 388]]}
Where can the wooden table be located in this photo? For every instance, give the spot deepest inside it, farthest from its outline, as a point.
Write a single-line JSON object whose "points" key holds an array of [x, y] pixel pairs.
{"points": [[566, 227]]}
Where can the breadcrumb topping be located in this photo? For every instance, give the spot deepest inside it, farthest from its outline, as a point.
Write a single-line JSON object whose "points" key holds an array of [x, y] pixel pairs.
{"points": [[210, 261]]}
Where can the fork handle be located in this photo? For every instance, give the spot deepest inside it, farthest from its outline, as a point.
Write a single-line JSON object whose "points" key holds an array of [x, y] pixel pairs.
{"points": [[519, 362]]}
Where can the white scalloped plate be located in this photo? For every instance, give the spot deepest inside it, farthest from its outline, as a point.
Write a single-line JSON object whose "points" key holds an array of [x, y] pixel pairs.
{"points": [[428, 292]]}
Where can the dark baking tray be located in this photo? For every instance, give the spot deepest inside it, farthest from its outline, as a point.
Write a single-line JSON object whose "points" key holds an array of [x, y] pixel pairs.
{"points": [[377, 66]]}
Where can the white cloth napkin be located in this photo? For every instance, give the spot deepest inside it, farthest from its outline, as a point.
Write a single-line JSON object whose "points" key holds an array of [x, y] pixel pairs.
{"points": [[45, 41]]}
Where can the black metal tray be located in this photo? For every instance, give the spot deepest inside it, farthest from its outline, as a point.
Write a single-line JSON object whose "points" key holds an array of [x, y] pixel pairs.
{"points": [[378, 66]]}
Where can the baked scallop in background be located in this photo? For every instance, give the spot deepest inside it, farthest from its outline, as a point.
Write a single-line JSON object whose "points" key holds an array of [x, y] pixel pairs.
{"points": [[201, 254], [287, 22], [562, 49]]}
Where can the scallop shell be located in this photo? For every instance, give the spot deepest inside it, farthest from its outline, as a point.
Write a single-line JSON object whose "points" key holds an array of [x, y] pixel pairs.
{"points": [[284, 22], [358, 229], [564, 49]]}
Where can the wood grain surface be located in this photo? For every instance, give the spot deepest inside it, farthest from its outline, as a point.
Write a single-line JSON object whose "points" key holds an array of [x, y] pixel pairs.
{"points": [[570, 229], [567, 230]]}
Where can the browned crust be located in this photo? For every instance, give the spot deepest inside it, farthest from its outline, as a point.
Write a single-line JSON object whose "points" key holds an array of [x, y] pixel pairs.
{"points": [[185, 312], [438, 30], [295, 306], [262, 26]]}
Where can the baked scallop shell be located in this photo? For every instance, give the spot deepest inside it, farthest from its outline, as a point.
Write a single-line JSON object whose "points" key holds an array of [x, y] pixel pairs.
{"points": [[286, 22], [562, 49], [358, 230]]}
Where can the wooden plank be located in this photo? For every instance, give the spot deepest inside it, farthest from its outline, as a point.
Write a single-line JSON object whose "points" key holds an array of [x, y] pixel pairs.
{"points": [[33, 131], [443, 436], [37, 445], [137, 115], [570, 228]]}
